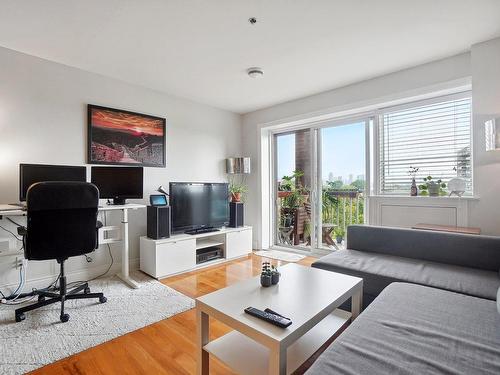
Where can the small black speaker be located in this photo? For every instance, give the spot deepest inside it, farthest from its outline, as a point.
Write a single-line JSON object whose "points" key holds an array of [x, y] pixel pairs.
{"points": [[158, 222], [236, 214]]}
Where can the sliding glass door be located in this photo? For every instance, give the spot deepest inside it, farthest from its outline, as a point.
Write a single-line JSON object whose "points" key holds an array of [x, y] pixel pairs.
{"points": [[293, 182], [342, 172], [319, 183]]}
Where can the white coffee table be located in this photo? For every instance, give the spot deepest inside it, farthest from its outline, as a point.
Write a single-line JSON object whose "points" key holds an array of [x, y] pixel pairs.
{"points": [[308, 296]]}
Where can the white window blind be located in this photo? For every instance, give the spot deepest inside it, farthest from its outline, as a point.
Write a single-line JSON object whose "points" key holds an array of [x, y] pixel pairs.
{"points": [[434, 137]]}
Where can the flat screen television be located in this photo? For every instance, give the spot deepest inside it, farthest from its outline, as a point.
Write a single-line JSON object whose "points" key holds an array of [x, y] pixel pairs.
{"points": [[118, 183], [33, 173], [198, 205]]}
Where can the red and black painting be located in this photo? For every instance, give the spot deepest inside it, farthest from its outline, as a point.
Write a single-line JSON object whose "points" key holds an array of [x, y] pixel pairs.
{"points": [[126, 138]]}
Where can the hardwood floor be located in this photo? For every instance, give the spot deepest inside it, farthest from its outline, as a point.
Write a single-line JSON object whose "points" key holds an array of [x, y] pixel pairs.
{"points": [[166, 347]]}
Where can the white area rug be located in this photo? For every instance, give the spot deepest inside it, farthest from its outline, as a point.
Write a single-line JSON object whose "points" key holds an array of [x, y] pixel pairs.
{"points": [[43, 339], [280, 255]]}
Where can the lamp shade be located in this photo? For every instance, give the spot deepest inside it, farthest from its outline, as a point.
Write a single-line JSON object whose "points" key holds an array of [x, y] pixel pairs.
{"points": [[240, 165], [492, 134]]}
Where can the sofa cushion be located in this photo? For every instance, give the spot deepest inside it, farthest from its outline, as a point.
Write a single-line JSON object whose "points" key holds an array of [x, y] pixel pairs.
{"points": [[466, 250], [379, 270], [412, 329]]}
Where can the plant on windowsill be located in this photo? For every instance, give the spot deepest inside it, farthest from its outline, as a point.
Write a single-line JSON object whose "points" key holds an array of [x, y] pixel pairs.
{"points": [[432, 188]]}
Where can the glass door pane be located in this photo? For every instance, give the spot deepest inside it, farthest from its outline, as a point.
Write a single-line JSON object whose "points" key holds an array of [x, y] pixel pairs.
{"points": [[341, 169], [293, 177]]}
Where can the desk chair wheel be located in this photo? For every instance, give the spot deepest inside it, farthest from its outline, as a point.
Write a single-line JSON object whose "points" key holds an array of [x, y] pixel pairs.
{"points": [[64, 318], [86, 290], [41, 298], [102, 299], [20, 317]]}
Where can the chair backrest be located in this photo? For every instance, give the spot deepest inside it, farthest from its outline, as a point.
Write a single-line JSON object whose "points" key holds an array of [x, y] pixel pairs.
{"points": [[62, 220]]}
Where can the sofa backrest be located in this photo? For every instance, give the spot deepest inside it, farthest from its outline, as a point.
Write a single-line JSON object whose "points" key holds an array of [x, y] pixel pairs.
{"points": [[476, 251]]}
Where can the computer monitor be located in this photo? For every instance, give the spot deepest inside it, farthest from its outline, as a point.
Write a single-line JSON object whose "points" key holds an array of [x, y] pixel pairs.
{"points": [[32, 173], [118, 183]]}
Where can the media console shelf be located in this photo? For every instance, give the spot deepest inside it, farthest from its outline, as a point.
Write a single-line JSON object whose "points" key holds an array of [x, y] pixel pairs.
{"points": [[177, 254]]}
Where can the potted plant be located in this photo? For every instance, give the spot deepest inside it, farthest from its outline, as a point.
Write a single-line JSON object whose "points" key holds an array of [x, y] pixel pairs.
{"points": [[339, 234], [275, 275], [432, 188], [237, 191], [266, 276]]}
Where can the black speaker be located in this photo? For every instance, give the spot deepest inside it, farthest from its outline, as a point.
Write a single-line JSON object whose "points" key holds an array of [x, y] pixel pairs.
{"points": [[236, 214], [158, 222]]}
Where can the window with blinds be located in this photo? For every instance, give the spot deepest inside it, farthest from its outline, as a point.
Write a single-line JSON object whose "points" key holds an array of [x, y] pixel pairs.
{"points": [[434, 137]]}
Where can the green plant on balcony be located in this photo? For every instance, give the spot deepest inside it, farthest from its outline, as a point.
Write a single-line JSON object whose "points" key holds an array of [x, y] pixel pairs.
{"points": [[339, 234]]}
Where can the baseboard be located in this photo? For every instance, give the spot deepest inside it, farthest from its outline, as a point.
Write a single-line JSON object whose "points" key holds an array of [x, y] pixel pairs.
{"points": [[81, 274]]}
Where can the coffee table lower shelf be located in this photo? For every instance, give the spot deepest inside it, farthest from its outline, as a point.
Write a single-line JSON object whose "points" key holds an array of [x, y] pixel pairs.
{"points": [[247, 357]]}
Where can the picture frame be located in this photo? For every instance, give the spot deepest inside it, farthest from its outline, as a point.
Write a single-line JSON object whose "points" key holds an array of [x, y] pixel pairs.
{"points": [[120, 137]]}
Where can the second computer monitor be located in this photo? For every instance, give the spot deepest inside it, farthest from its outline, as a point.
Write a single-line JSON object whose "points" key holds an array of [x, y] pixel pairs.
{"points": [[118, 183]]}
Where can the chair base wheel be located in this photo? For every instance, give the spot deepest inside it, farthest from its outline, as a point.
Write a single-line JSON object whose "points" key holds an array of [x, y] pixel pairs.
{"points": [[86, 290], [20, 317], [102, 299], [41, 298], [64, 318]]}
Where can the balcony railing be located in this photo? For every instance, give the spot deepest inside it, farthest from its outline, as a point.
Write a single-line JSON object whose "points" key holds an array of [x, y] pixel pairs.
{"points": [[340, 208]]}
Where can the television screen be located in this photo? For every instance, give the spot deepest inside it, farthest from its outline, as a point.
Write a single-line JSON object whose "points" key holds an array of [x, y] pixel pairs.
{"points": [[196, 205], [32, 173], [118, 182]]}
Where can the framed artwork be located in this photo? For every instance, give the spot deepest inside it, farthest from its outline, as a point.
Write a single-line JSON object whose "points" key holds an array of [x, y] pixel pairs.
{"points": [[125, 138]]}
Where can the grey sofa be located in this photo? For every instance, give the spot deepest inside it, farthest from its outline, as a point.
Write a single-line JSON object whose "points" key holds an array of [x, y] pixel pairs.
{"points": [[413, 329], [467, 264], [449, 324]]}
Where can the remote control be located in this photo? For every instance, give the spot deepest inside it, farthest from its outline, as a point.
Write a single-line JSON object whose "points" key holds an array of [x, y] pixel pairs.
{"points": [[268, 317]]}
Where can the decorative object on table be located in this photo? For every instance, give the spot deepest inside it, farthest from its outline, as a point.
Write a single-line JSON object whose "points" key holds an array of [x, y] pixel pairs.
{"points": [[339, 234], [492, 134], [275, 275], [457, 186], [266, 275], [413, 173], [432, 188], [127, 138]]}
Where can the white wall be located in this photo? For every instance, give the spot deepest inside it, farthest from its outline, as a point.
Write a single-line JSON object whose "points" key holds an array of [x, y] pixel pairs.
{"points": [[485, 213], [43, 120], [434, 76]]}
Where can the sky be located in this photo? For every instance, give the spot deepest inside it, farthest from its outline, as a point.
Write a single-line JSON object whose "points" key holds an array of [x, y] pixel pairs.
{"points": [[343, 151]]}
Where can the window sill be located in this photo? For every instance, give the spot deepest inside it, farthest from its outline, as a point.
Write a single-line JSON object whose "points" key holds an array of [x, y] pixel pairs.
{"points": [[422, 197]]}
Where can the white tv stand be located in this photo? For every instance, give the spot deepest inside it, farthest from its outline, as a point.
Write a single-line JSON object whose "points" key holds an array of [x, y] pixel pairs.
{"points": [[177, 254]]}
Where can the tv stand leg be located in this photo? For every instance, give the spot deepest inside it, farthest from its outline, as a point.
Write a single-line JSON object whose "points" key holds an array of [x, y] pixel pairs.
{"points": [[124, 275]]}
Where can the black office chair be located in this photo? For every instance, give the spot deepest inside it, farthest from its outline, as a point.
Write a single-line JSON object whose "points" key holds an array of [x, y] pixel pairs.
{"points": [[62, 223]]}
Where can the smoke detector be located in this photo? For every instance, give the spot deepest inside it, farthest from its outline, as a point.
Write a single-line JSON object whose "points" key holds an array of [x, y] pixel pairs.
{"points": [[255, 72]]}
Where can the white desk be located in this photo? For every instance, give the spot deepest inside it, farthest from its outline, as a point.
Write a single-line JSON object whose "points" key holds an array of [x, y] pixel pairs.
{"points": [[105, 238]]}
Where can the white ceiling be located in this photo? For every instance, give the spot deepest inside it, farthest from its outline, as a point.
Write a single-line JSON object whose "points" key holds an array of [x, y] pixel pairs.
{"points": [[200, 49]]}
